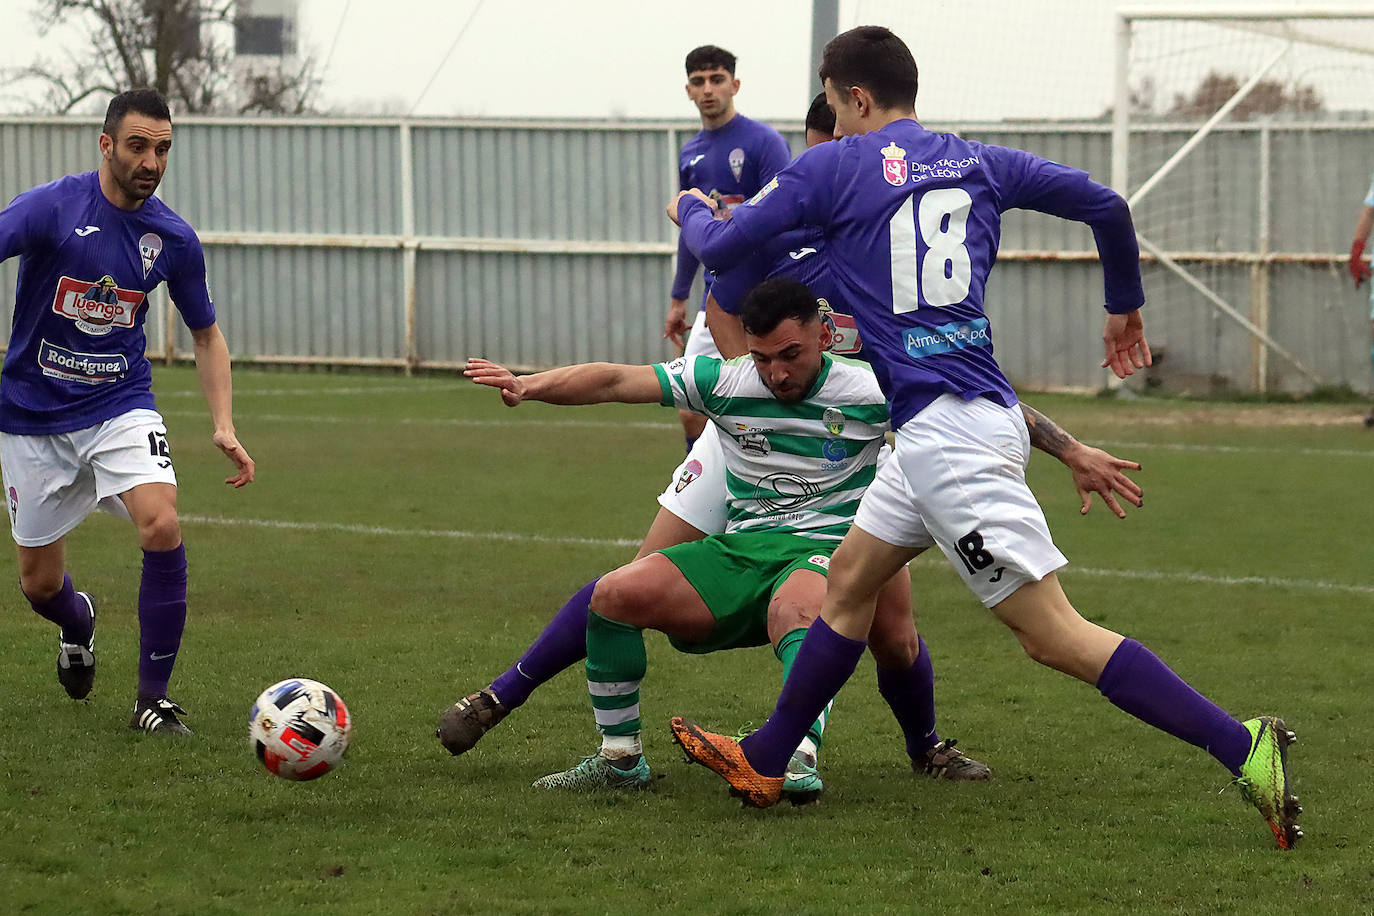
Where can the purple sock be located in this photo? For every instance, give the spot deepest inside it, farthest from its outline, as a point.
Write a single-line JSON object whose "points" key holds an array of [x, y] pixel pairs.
{"points": [[68, 611], [911, 695], [824, 662], [1138, 682], [161, 618], [561, 644]]}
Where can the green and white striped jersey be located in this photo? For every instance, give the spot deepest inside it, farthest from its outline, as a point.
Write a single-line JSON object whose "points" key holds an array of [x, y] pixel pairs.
{"points": [[798, 467]]}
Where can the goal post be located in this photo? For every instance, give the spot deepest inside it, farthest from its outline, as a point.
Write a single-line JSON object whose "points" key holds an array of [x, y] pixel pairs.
{"points": [[1220, 118]]}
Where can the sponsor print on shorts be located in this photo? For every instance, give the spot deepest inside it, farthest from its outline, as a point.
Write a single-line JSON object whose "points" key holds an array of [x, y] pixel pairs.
{"points": [[96, 307], [14, 505], [957, 335], [88, 368], [690, 472]]}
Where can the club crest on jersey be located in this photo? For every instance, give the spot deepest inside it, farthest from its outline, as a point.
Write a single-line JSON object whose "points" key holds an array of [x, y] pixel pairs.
{"points": [[690, 472], [149, 247], [894, 165], [844, 333], [736, 162], [833, 418], [97, 308]]}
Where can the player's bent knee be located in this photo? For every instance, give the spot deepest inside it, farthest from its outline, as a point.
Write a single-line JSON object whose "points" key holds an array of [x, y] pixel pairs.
{"points": [[41, 585], [160, 532], [622, 596], [894, 650]]}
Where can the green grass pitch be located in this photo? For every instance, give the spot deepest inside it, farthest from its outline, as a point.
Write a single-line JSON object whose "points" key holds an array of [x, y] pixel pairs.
{"points": [[408, 537]]}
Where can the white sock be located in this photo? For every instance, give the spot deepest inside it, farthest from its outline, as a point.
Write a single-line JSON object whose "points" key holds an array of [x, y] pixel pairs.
{"points": [[621, 746]]}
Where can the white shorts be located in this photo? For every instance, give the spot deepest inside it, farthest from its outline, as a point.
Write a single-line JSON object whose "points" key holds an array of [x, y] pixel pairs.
{"points": [[959, 481], [54, 482], [700, 342], [696, 494]]}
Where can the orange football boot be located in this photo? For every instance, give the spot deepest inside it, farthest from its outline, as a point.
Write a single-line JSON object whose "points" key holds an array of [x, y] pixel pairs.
{"points": [[726, 757]]}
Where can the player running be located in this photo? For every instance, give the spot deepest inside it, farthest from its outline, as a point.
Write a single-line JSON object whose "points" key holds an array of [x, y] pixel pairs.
{"points": [[693, 505], [802, 433], [731, 157], [78, 423], [912, 219]]}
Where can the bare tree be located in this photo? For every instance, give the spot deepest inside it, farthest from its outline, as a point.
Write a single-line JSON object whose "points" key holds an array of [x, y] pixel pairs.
{"points": [[1267, 97], [182, 48]]}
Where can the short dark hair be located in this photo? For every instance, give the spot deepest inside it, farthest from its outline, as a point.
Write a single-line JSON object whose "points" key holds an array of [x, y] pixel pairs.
{"points": [[820, 117], [872, 57], [774, 301], [710, 57], [148, 102]]}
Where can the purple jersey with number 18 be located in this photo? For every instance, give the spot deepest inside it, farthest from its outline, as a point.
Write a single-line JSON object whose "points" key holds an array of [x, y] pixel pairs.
{"points": [[912, 221]]}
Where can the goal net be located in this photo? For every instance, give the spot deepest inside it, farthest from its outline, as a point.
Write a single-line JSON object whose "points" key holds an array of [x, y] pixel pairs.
{"points": [[1244, 140]]}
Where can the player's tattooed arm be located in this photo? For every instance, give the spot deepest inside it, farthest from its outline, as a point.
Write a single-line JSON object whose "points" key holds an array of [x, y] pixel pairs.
{"points": [[1094, 471]]}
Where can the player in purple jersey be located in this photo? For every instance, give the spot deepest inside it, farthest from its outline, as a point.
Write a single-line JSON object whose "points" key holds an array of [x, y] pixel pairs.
{"points": [[78, 424], [913, 221], [731, 157], [688, 513]]}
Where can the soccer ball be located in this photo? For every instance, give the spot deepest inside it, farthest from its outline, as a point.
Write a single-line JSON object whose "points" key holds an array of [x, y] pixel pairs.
{"points": [[299, 728]]}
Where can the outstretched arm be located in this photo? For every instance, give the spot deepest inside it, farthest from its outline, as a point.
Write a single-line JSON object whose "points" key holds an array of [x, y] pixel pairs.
{"points": [[587, 383], [212, 366], [1094, 471]]}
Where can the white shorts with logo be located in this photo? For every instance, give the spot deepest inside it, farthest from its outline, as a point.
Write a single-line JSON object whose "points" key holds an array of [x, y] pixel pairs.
{"points": [[53, 482], [700, 342], [697, 494], [959, 481]]}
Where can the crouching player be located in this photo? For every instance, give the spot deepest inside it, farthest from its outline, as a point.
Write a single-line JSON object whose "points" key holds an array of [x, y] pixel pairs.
{"points": [[800, 432]]}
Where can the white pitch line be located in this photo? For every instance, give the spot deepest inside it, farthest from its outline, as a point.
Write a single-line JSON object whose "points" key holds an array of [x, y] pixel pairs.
{"points": [[248, 418], [1235, 449], [382, 531], [927, 560], [301, 392], [647, 424]]}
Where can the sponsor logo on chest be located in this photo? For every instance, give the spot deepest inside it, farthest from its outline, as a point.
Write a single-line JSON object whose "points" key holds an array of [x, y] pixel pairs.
{"points": [[98, 307]]}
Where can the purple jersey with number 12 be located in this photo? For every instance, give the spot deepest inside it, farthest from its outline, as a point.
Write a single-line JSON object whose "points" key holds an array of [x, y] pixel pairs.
{"points": [[76, 355], [912, 220]]}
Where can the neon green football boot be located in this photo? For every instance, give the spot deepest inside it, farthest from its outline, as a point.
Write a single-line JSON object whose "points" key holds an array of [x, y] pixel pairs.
{"points": [[1263, 779], [597, 772]]}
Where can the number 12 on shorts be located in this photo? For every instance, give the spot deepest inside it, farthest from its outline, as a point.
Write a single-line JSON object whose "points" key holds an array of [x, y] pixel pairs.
{"points": [[157, 444]]}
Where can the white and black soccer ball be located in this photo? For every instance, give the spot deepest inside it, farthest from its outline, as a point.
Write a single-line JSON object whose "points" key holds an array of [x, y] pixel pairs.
{"points": [[299, 728]]}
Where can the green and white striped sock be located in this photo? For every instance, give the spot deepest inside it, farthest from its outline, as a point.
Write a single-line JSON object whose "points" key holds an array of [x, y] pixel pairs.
{"points": [[616, 662]]}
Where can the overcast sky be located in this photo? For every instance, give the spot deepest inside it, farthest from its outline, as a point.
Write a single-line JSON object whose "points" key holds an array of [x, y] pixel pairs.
{"points": [[623, 58]]}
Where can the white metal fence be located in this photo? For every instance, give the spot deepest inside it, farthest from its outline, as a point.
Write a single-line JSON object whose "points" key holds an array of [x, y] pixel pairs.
{"points": [[416, 243]]}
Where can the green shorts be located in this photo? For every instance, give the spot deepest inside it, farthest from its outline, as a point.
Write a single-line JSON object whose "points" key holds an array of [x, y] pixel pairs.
{"points": [[737, 574]]}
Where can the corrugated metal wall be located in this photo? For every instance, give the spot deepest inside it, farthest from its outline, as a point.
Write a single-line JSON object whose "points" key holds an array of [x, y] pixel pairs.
{"points": [[543, 244]]}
